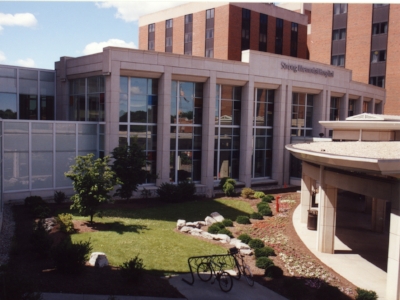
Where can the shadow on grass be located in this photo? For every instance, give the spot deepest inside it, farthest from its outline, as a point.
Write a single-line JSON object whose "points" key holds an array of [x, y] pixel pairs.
{"points": [[116, 226]]}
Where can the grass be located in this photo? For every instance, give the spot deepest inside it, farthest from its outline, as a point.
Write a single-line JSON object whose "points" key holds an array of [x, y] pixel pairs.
{"points": [[150, 233]]}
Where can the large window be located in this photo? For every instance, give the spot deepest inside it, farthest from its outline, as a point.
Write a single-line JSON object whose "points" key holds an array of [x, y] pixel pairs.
{"points": [[186, 120], [377, 80], [293, 39], [379, 28], [334, 109], [8, 93], [227, 131], [209, 44], [302, 114], [138, 117], [188, 34], [338, 60], [87, 99], [279, 36], [378, 56], [263, 33], [262, 133], [339, 34], [151, 36], [352, 108], [339, 8], [168, 35], [246, 14], [28, 94]]}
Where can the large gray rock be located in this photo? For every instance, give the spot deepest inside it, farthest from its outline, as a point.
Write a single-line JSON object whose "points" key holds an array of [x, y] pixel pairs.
{"points": [[98, 259], [180, 224], [217, 217]]}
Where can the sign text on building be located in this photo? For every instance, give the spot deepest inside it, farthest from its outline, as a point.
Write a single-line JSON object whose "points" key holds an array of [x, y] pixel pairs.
{"points": [[300, 68]]}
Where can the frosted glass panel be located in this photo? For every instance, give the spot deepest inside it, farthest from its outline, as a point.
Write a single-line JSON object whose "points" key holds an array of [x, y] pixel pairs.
{"points": [[16, 127], [42, 128], [28, 87], [87, 143], [16, 171], [8, 85], [65, 142], [16, 142], [47, 88], [42, 170], [63, 161], [87, 129], [65, 128], [42, 142]]}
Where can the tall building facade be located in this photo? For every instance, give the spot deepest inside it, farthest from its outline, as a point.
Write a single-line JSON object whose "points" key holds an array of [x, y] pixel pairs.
{"points": [[223, 30], [364, 38]]}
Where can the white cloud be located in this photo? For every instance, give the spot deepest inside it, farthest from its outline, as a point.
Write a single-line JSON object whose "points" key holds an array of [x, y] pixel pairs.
{"points": [[130, 11], [2, 56], [25, 19], [98, 47], [29, 62]]}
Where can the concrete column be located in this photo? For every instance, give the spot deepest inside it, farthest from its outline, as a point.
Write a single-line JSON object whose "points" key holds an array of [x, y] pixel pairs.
{"points": [[326, 216], [163, 126], [359, 106], [371, 106], [378, 214], [208, 134], [344, 107], [393, 266], [246, 128], [305, 200]]}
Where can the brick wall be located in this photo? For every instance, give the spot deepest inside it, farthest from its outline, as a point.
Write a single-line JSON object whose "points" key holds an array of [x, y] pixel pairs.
{"points": [[159, 44], [199, 33], [178, 35], [302, 48], [143, 37], [221, 32], [235, 28], [321, 32], [358, 40], [392, 105], [287, 30], [271, 34], [254, 30]]}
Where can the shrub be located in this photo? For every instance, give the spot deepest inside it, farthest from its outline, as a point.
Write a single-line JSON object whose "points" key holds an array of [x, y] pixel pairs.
{"points": [[261, 204], [170, 192], [59, 197], [267, 198], [226, 231], [185, 190], [40, 240], [41, 211], [33, 201], [65, 221], [264, 251], [215, 228], [37, 206], [256, 216], [274, 272], [167, 192], [366, 295], [69, 257], [265, 211], [259, 194], [264, 262], [256, 244], [243, 220], [245, 238], [227, 222], [223, 181], [132, 269], [229, 189], [329, 292], [247, 193]]}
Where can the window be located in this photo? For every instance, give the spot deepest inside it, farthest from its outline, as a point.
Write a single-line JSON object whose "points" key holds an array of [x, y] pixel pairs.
{"points": [[339, 8], [334, 109], [210, 33], [188, 37], [352, 108], [168, 35], [279, 36], [263, 33], [188, 34], [151, 45], [168, 23], [210, 53], [295, 27], [227, 131], [378, 81], [339, 34], [152, 27], [168, 41], [379, 28], [338, 60], [263, 133], [380, 4], [210, 13], [188, 19], [245, 29], [294, 39], [378, 56], [302, 114], [186, 131]]}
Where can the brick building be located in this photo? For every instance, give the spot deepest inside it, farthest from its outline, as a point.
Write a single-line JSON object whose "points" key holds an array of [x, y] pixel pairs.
{"points": [[364, 38], [223, 30]]}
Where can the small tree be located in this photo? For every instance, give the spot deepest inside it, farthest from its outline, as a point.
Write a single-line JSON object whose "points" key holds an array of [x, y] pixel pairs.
{"points": [[129, 163], [92, 181]]}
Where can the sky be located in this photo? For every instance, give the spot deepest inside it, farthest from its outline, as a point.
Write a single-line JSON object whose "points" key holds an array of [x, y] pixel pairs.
{"points": [[37, 33]]}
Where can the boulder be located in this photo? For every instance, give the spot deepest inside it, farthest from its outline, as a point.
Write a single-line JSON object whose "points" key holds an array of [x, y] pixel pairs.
{"points": [[196, 231], [217, 217], [98, 259], [209, 221], [241, 245], [193, 224], [180, 224], [207, 235], [246, 251], [186, 229], [201, 223], [223, 238]]}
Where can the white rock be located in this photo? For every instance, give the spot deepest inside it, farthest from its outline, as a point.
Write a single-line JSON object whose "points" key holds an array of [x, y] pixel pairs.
{"points": [[234, 241], [209, 221], [207, 235], [98, 259], [180, 224], [246, 251], [193, 224], [201, 223], [241, 245], [217, 217], [223, 238], [186, 229], [196, 231]]}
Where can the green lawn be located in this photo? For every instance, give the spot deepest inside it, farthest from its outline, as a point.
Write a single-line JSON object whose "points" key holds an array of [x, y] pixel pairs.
{"points": [[150, 233]]}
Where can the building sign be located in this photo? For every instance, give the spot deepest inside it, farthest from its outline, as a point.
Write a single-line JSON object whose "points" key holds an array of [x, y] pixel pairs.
{"points": [[301, 68]]}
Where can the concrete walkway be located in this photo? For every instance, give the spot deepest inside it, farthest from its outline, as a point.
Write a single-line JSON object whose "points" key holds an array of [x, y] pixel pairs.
{"points": [[352, 266]]}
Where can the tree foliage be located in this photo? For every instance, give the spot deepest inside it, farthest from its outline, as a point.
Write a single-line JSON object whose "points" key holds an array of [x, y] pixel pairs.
{"points": [[92, 180], [129, 163]]}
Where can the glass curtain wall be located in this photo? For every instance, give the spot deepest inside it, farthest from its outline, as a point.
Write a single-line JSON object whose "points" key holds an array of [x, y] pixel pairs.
{"points": [[227, 131], [28, 94], [86, 100], [186, 120], [138, 117], [8, 93], [262, 133], [47, 92], [302, 112]]}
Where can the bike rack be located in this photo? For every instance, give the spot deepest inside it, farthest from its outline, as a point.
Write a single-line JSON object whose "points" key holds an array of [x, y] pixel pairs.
{"points": [[194, 261]]}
